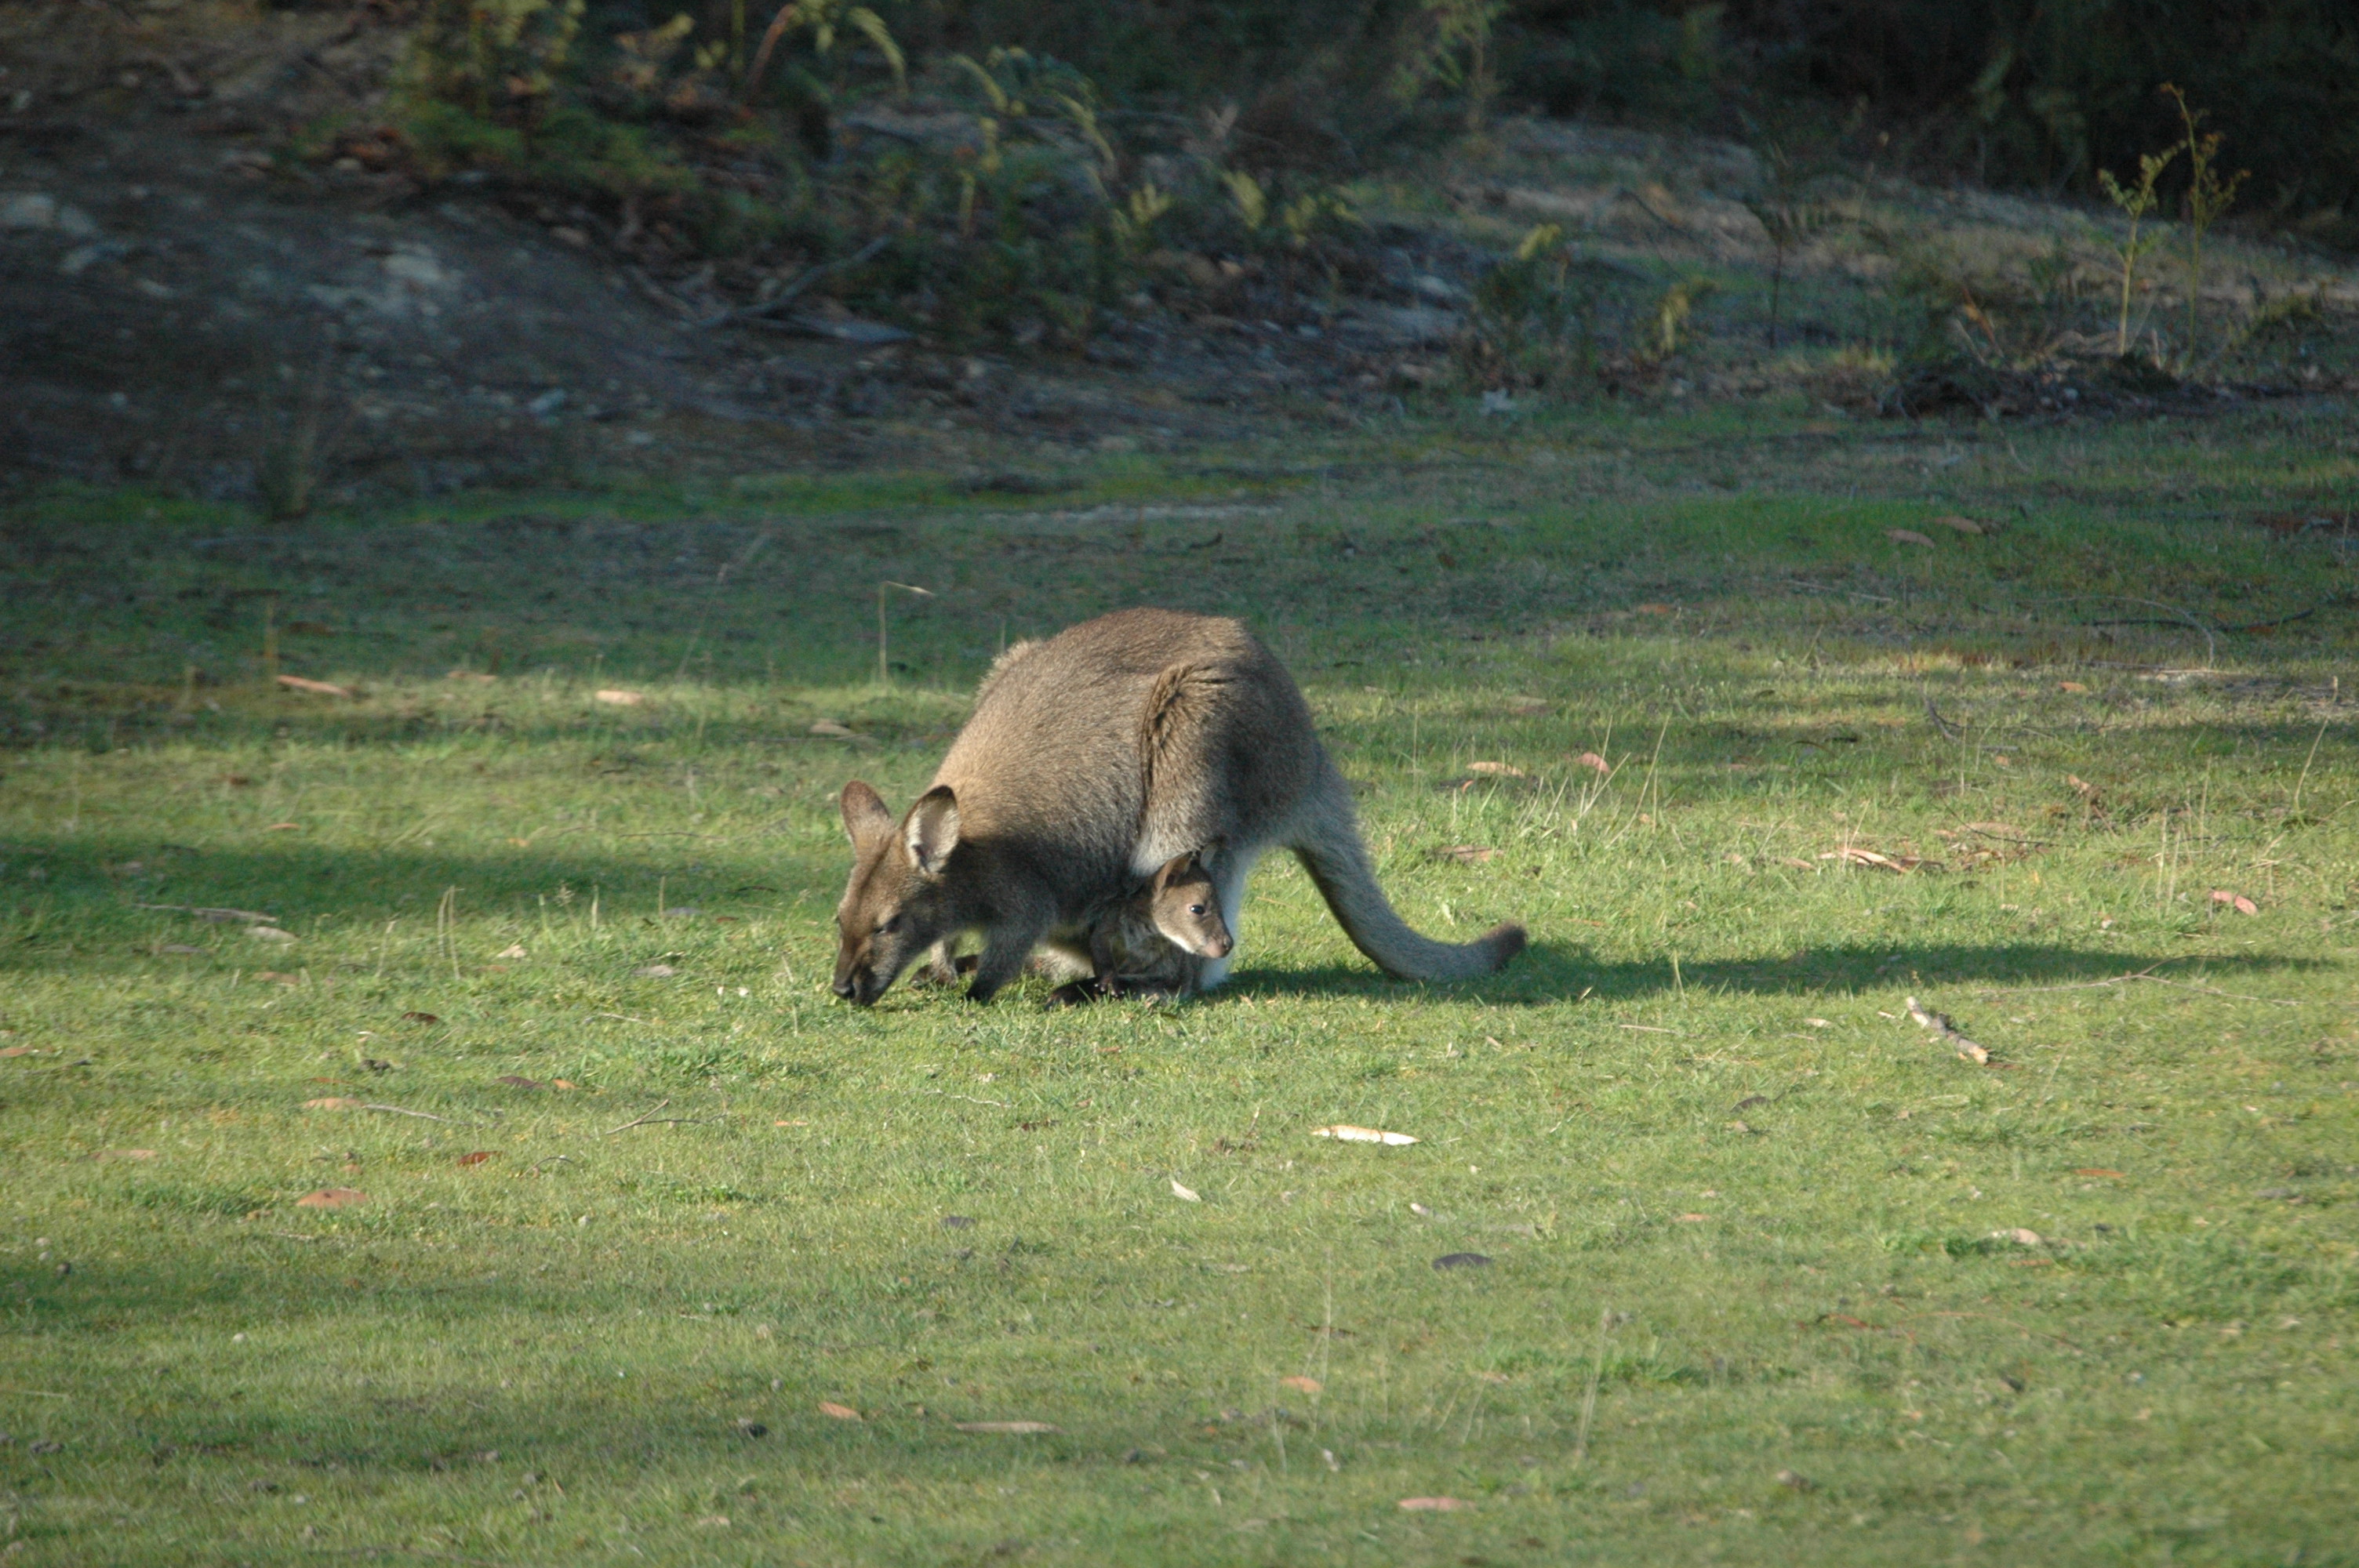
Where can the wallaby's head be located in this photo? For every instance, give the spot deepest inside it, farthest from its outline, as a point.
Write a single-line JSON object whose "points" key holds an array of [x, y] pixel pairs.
{"points": [[1186, 905], [896, 904]]}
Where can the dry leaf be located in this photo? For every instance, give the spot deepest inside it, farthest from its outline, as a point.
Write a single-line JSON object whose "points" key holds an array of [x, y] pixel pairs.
{"points": [[20, 1051], [2019, 1236], [175, 947], [560, 1083], [2243, 905], [1343, 1132], [1819, 1022], [1962, 525], [1017, 1428], [516, 1081], [655, 971], [1185, 1194], [479, 1156], [332, 1102], [470, 675], [513, 950], [125, 1154], [1433, 1505], [269, 934], [1301, 1385], [1498, 770], [838, 731], [1907, 537], [283, 828], [619, 698], [332, 1197], [1465, 854], [2098, 1171], [2070, 686], [319, 688], [1495, 1376], [277, 978], [1595, 762], [1529, 707], [1692, 1218], [421, 1018], [1656, 609], [839, 1412]]}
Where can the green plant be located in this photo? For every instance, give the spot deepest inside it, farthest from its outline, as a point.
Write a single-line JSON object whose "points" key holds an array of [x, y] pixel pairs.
{"points": [[1673, 310], [2136, 202], [1532, 313], [823, 19], [1786, 217], [1451, 44], [498, 58], [2209, 196]]}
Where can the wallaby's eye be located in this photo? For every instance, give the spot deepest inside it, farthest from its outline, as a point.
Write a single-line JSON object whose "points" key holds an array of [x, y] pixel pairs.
{"points": [[887, 928], [1195, 909]]}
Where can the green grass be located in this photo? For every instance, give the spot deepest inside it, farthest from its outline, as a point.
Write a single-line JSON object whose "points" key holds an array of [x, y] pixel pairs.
{"points": [[1694, 1113]]}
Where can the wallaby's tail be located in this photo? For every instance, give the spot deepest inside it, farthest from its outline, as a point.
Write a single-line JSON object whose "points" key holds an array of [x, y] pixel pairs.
{"points": [[1328, 846]]}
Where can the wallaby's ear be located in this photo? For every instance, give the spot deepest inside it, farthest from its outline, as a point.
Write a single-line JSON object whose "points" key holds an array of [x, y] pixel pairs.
{"points": [[931, 829], [866, 819], [1172, 870]]}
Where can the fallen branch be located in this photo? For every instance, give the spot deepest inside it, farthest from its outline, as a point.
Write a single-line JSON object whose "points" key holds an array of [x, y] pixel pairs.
{"points": [[801, 286], [1940, 1025]]}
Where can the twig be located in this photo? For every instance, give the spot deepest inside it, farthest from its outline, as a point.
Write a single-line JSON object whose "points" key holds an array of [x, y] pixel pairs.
{"points": [[625, 1018], [1589, 1399], [652, 1119], [1942, 1027], [801, 286], [216, 916], [421, 1115], [2148, 974]]}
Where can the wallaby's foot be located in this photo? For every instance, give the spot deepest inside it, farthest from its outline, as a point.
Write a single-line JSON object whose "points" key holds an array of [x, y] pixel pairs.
{"points": [[967, 961], [1079, 993]]}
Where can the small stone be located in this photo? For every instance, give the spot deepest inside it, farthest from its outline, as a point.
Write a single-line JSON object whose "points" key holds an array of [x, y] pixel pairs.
{"points": [[1795, 1480]]}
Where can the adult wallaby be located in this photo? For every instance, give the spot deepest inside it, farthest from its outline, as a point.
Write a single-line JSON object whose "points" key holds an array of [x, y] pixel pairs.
{"points": [[1092, 759]]}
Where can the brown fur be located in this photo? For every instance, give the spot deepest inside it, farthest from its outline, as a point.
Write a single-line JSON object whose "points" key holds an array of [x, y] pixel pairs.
{"points": [[1092, 760]]}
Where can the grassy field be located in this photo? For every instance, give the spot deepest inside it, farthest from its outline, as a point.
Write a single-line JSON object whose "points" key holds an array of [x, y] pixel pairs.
{"points": [[649, 1251]]}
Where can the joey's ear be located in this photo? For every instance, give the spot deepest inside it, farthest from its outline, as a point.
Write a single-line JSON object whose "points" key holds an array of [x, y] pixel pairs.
{"points": [[1172, 870], [931, 829], [866, 819]]}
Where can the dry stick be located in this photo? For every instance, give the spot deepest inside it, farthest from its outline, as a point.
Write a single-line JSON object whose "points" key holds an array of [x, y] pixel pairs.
{"points": [[1943, 1029], [801, 286], [421, 1115], [2305, 766], [652, 1119], [1589, 1399]]}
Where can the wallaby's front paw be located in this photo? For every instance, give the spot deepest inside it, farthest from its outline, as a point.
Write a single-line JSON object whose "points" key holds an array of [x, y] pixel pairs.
{"points": [[1078, 994]]}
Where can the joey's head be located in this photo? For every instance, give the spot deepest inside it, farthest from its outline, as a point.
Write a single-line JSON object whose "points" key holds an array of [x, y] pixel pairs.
{"points": [[895, 905], [1186, 907]]}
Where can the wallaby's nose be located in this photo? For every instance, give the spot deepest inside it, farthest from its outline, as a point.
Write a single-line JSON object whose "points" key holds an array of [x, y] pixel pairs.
{"points": [[845, 988], [1221, 944]]}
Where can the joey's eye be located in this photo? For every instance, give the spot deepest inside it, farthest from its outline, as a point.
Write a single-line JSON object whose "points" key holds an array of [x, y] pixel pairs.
{"points": [[1195, 909]]}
